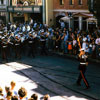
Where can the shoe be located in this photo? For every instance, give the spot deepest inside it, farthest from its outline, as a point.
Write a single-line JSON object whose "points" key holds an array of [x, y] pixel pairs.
{"points": [[78, 84], [88, 87]]}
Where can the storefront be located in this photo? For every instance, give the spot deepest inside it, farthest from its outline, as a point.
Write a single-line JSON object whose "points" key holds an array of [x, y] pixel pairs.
{"points": [[81, 21], [91, 24], [23, 14], [2, 14]]}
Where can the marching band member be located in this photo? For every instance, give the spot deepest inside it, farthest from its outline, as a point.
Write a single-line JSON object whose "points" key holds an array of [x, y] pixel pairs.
{"points": [[31, 45], [43, 42], [83, 58], [17, 43], [4, 44]]}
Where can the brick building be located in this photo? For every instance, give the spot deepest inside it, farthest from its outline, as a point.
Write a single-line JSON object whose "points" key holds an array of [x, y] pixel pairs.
{"points": [[75, 13]]}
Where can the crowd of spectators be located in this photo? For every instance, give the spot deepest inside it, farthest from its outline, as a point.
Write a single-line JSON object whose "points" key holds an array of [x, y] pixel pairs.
{"points": [[11, 94], [67, 41]]}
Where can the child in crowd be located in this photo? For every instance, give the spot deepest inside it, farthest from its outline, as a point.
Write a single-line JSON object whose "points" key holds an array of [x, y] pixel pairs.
{"points": [[13, 84], [69, 46], [7, 89], [46, 97], [1, 94], [22, 92], [34, 96], [14, 98], [9, 95], [74, 46]]}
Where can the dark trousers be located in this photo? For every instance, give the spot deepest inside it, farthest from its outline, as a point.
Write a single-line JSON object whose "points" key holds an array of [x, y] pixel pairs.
{"points": [[82, 76], [4, 53], [17, 52], [31, 51], [43, 48]]}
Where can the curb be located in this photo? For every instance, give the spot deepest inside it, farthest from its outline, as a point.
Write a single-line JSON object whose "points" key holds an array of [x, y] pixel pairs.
{"points": [[74, 57]]}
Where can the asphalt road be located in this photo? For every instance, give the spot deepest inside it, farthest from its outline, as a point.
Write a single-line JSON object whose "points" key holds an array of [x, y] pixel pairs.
{"points": [[52, 75]]}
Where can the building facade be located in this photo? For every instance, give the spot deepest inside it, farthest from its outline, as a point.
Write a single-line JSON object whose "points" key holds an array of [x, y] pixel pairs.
{"points": [[3, 11], [74, 12], [38, 10]]}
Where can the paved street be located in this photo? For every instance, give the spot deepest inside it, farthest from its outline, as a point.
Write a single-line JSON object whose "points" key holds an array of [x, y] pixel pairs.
{"points": [[51, 75]]}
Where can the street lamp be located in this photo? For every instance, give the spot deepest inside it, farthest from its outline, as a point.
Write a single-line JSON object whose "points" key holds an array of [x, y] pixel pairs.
{"points": [[70, 17]]}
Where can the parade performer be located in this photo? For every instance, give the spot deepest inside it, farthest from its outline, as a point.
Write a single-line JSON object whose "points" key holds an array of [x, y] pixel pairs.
{"points": [[83, 58]]}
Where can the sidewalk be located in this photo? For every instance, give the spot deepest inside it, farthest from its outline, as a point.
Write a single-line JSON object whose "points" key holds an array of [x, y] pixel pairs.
{"points": [[74, 57]]}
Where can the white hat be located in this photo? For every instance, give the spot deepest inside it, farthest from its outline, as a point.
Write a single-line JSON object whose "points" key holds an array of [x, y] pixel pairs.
{"points": [[3, 37], [1, 32], [16, 35]]}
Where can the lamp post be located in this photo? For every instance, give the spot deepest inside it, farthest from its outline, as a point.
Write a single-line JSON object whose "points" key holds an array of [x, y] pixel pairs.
{"points": [[70, 19]]}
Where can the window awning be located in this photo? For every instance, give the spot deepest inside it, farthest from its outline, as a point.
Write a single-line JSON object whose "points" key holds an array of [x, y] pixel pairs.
{"points": [[65, 19]]}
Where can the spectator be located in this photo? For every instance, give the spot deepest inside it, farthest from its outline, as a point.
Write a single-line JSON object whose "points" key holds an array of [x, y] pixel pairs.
{"points": [[9, 95], [69, 46], [1, 91], [13, 84], [34, 96], [46, 97], [57, 43], [1, 94], [14, 97], [74, 46], [6, 90], [22, 92], [84, 42]]}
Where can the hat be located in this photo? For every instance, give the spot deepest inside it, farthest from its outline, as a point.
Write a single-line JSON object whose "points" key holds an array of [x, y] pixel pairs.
{"points": [[3, 37], [1, 32], [16, 35]]}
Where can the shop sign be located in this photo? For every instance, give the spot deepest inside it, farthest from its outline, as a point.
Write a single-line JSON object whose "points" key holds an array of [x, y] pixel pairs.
{"points": [[10, 9], [27, 9], [18, 9]]}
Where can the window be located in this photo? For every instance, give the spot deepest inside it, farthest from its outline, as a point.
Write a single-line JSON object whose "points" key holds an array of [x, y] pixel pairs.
{"points": [[61, 2], [2, 1], [80, 2], [71, 2]]}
